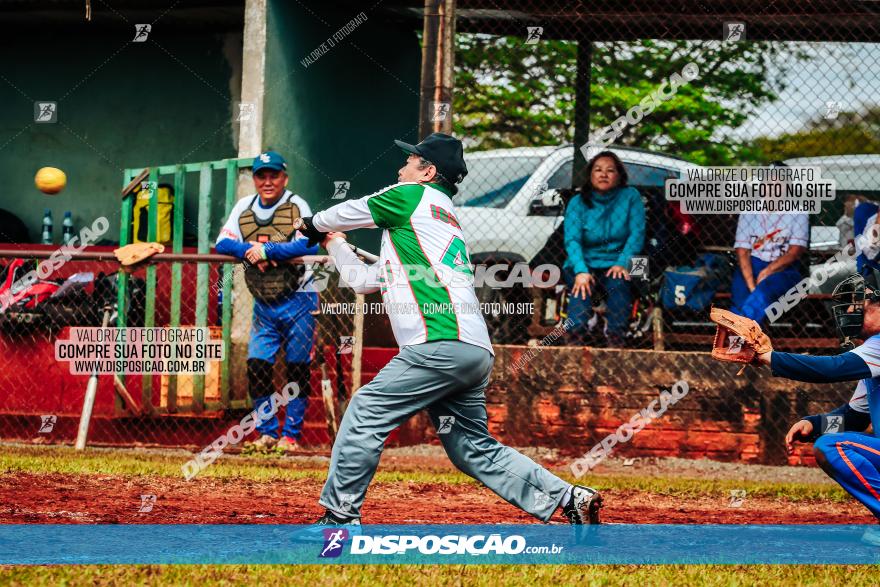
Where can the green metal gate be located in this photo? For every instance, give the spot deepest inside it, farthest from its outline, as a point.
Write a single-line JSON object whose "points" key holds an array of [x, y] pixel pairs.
{"points": [[179, 173]]}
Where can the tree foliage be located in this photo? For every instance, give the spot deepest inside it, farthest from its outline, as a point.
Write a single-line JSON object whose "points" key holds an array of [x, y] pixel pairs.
{"points": [[510, 94], [847, 133]]}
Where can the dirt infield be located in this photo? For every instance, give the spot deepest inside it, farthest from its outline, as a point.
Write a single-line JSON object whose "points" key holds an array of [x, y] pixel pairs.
{"points": [[411, 489], [54, 498]]}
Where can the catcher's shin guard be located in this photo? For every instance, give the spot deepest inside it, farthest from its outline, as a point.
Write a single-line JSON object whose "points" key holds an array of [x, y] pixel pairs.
{"points": [[259, 378], [300, 374]]}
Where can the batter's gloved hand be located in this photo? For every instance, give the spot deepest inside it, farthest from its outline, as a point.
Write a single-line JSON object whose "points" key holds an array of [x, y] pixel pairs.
{"points": [[308, 230], [737, 339]]}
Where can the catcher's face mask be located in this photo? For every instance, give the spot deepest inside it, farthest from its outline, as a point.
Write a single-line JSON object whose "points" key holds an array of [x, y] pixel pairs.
{"points": [[848, 305]]}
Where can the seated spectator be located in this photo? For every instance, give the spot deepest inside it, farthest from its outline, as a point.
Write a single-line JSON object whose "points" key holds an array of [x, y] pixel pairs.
{"points": [[845, 224], [868, 260], [604, 228], [768, 249]]}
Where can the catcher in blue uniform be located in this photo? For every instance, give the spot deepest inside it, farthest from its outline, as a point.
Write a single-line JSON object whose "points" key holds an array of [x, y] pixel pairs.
{"points": [[257, 231], [843, 449]]}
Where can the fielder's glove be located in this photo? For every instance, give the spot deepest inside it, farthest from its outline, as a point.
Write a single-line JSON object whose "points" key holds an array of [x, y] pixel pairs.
{"points": [[305, 226], [737, 339], [131, 255]]}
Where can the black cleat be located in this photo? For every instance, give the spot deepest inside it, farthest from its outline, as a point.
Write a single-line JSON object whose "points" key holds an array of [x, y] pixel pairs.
{"points": [[315, 532], [331, 519], [583, 507]]}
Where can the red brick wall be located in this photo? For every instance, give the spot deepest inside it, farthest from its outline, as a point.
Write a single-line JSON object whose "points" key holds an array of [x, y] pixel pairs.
{"points": [[571, 398]]}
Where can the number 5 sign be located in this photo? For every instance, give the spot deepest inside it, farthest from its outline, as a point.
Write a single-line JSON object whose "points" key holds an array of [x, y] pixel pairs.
{"points": [[680, 297]]}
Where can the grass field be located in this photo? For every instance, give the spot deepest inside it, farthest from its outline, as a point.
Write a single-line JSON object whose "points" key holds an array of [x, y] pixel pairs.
{"points": [[271, 468], [406, 576], [40, 484]]}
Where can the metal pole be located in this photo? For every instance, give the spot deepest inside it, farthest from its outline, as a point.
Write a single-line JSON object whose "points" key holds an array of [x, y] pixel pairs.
{"points": [[581, 110], [438, 67], [18, 253]]}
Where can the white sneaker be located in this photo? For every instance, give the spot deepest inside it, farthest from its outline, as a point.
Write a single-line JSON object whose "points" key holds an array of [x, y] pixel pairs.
{"points": [[287, 445], [583, 506], [262, 444]]}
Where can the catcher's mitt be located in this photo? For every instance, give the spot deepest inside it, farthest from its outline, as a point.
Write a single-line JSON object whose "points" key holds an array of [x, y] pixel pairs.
{"points": [[737, 339], [135, 253]]}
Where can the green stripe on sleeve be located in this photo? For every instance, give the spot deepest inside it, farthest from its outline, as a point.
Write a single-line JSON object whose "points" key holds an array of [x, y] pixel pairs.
{"points": [[393, 207]]}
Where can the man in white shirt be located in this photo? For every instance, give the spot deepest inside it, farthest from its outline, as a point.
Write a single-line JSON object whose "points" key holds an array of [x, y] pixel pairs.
{"points": [[446, 357], [768, 250]]}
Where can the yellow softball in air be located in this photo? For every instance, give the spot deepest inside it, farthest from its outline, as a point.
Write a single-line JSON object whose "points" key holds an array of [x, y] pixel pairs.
{"points": [[50, 180]]}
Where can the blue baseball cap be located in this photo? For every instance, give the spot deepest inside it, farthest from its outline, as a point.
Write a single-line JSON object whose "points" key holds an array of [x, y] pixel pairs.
{"points": [[269, 160]]}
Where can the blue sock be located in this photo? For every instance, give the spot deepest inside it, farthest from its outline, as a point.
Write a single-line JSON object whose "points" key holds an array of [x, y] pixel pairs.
{"points": [[270, 426], [293, 420]]}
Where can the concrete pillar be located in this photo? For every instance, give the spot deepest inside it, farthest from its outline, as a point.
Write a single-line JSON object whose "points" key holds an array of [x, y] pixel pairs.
{"points": [[248, 121], [253, 77]]}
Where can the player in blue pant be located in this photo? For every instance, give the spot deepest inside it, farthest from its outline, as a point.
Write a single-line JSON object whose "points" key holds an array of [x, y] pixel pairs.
{"points": [[849, 456], [768, 250], [289, 324], [284, 299], [843, 450]]}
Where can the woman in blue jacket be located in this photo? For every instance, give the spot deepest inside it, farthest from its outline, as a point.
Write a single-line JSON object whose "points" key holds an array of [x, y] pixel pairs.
{"points": [[604, 229]]}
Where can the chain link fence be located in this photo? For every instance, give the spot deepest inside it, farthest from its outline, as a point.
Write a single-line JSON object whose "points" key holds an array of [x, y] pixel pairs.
{"points": [[42, 400], [543, 93], [560, 106]]}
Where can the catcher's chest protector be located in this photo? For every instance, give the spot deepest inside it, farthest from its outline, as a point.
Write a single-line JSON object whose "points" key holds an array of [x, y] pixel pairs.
{"points": [[274, 282]]}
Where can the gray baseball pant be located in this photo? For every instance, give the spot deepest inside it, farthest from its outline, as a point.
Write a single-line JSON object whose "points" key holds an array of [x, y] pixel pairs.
{"points": [[449, 379]]}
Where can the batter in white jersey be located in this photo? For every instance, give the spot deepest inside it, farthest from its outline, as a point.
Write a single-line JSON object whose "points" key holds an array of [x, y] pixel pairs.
{"points": [[446, 357], [423, 272]]}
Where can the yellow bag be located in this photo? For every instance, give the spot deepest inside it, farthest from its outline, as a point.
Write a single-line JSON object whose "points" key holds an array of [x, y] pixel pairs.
{"points": [[165, 210]]}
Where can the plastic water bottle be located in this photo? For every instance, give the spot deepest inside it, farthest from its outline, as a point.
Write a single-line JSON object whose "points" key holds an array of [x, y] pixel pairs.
{"points": [[66, 229], [47, 227]]}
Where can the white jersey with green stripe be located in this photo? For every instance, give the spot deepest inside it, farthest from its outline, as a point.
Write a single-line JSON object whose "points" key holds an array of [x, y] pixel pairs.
{"points": [[425, 273]]}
